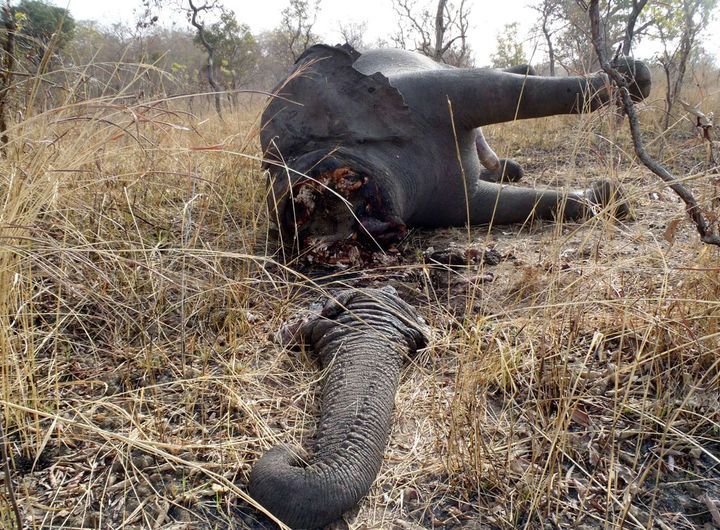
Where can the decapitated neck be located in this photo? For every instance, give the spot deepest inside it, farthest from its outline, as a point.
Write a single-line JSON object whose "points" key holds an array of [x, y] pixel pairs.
{"points": [[330, 199]]}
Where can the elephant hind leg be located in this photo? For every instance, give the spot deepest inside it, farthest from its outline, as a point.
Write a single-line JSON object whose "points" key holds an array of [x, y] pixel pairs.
{"points": [[496, 169], [508, 171]]}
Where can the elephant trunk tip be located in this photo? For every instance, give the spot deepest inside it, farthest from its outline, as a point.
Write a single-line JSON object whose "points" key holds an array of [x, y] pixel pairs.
{"points": [[297, 494]]}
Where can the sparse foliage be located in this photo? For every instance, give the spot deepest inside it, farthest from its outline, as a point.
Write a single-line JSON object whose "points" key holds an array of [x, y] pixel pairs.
{"points": [[509, 49], [234, 48], [37, 23], [707, 229], [353, 33], [548, 16], [438, 30], [296, 27], [193, 16], [566, 21], [630, 27]]}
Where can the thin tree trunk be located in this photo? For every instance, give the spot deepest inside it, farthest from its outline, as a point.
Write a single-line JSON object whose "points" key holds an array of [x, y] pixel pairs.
{"points": [[211, 57], [668, 95], [551, 50], [7, 74], [439, 30], [674, 87]]}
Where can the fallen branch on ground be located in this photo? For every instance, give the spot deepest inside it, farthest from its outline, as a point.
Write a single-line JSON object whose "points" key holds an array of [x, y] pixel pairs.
{"points": [[707, 233]]}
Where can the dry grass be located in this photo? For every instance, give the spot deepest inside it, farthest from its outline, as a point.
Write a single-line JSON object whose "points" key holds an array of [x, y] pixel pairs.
{"points": [[140, 293]]}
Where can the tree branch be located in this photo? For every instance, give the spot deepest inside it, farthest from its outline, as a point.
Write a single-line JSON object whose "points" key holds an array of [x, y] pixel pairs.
{"points": [[707, 234]]}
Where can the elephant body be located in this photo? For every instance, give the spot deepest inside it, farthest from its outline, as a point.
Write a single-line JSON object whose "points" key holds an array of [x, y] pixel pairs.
{"points": [[362, 146], [361, 338]]}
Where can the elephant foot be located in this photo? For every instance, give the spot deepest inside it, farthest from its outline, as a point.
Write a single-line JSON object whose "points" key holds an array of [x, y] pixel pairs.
{"points": [[339, 212], [510, 171], [637, 75], [608, 196]]}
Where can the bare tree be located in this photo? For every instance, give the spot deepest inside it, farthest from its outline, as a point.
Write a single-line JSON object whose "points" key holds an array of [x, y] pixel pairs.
{"points": [[438, 31], [353, 34], [618, 23], [548, 14], [148, 17], [706, 228]]}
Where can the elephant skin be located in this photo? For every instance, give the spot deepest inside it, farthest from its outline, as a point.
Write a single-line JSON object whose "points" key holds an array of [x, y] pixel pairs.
{"points": [[361, 337], [359, 147]]}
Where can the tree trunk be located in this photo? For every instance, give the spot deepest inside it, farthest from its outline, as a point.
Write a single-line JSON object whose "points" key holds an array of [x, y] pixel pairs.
{"points": [[551, 50], [668, 94], [439, 30], [6, 78], [211, 57], [687, 39]]}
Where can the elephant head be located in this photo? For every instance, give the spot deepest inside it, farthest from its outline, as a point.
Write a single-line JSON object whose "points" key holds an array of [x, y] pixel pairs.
{"points": [[361, 338], [361, 146]]}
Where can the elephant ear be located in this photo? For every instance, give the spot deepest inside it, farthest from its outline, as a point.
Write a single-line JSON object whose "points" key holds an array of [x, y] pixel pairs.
{"points": [[325, 103]]}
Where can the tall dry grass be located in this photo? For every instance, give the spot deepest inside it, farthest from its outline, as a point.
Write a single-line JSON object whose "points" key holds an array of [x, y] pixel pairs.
{"points": [[140, 293]]}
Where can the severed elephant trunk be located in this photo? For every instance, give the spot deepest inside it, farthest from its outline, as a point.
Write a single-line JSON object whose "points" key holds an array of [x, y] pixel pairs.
{"points": [[362, 337]]}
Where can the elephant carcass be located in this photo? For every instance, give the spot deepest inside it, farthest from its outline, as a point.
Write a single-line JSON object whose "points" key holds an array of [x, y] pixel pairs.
{"points": [[361, 338], [359, 147]]}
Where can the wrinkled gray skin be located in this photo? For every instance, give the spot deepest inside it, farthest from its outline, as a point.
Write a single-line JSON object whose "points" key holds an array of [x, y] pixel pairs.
{"points": [[386, 115], [361, 337]]}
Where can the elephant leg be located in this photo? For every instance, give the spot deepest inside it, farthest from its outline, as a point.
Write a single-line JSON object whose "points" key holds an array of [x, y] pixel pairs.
{"points": [[362, 338], [508, 171], [487, 156], [522, 69], [496, 169], [481, 96], [499, 204]]}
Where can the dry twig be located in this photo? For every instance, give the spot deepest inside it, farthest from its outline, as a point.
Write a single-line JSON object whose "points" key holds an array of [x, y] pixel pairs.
{"points": [[704, 123]]}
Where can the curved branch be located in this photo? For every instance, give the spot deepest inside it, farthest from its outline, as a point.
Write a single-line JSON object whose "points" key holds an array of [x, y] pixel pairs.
{"points": [[707, 233]]}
